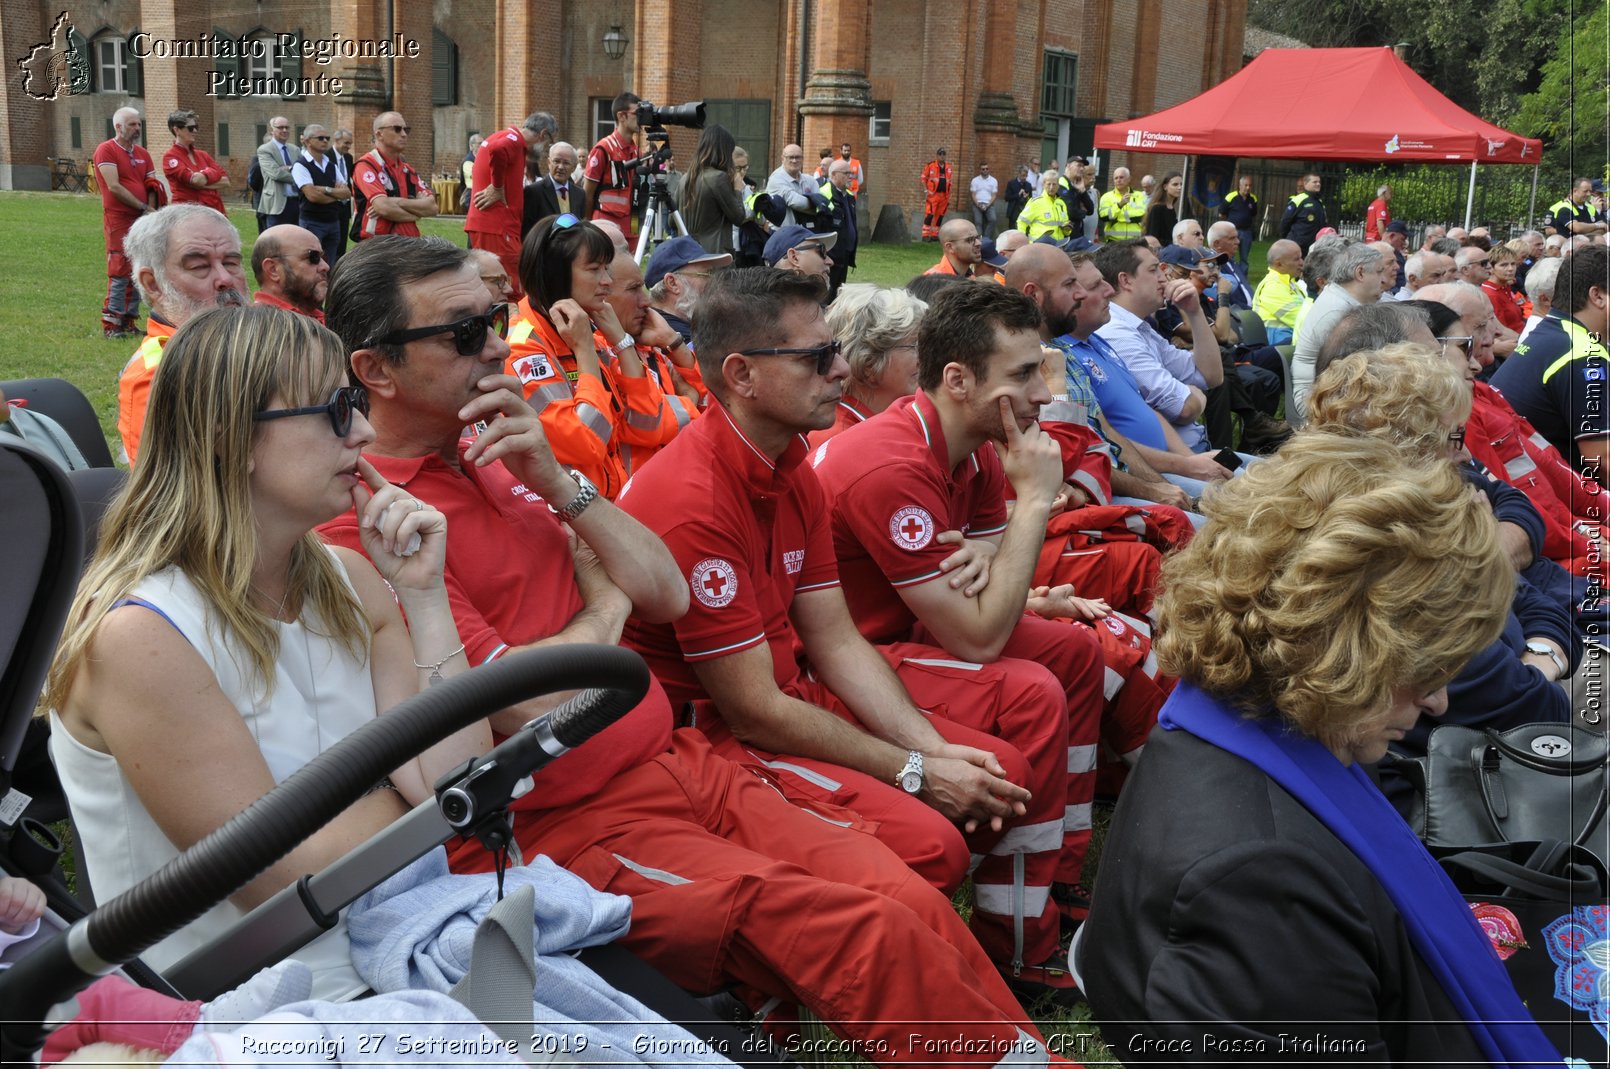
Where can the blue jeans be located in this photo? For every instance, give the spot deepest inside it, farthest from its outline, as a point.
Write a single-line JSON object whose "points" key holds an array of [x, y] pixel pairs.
{"points": [[1246, 244]]}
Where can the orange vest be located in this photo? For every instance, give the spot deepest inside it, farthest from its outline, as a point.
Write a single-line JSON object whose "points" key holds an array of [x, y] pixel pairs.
{"points": [[134, 384]]}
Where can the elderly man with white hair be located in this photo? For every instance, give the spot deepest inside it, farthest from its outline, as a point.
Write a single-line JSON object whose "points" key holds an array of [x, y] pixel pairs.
{"points": [[124, 173], [1121, 208], [1046, 213], [1188, 232], [1225, 239], [186, 259], [1540, 291], [1354, 279], [1390, 282]]}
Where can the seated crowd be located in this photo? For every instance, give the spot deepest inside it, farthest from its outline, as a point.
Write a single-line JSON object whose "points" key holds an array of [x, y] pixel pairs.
{"points": [[898, 576]]}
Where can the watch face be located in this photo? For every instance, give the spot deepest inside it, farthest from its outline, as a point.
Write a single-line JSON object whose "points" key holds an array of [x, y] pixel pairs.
{"points": [[911, 782]]}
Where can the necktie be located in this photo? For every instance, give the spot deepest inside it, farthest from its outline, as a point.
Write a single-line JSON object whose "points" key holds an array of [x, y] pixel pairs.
{"points": [[564, 198]]}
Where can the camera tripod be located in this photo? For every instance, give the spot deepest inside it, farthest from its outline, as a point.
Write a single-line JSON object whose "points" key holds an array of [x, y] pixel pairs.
{"points": [[658, 217]]}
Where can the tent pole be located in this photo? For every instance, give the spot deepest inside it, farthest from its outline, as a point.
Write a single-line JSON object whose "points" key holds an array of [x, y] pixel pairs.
{"points": [[1185, 193], [1470, 197], [1531, 208]]}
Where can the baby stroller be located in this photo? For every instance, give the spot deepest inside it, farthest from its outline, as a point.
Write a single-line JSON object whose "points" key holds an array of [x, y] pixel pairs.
{"points": [[43, 528]]}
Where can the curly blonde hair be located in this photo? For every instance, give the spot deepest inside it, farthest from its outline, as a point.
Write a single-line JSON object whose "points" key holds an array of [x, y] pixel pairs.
{"points": [[1329, 576], [1403, 393]]}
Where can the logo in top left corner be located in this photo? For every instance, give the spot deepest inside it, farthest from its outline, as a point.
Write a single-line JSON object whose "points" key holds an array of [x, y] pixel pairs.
{"points": [[55, 68]]}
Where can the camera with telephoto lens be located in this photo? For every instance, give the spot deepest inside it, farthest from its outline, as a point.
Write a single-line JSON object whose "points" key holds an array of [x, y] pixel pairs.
{"points": [[688, 115]]}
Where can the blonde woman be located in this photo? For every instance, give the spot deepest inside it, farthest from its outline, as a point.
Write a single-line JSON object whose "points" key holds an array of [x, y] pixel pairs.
{"points": [[876, 329], [1254, 880], [216, 645]]}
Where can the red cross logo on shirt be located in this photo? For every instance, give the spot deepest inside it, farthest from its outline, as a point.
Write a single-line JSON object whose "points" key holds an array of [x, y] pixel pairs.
{"points": [[714, 582], [911, 527]]}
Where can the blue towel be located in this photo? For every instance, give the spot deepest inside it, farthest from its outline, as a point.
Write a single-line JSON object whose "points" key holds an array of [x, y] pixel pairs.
{"points": [[416, 930]]}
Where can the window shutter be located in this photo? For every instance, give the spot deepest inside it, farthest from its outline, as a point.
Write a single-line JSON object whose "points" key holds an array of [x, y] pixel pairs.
{"points": [[81, 71], [132, 68], [443, 70], [291, 67]]}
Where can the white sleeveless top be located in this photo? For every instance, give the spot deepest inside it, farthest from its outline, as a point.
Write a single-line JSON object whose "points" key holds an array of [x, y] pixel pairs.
{"points": [[321, 694]]}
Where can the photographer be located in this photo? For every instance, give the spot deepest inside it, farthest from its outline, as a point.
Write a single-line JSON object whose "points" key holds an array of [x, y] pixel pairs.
{"points": [[712, 199], [608, 177]]}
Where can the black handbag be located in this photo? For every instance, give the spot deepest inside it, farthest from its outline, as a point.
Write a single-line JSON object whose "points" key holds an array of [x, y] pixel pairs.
{"points": [[1531, 783], [1543, 907]]}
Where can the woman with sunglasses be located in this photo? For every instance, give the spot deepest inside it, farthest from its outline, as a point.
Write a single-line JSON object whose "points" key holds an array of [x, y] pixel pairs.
{"points": [[579, 369], [216, 645]]}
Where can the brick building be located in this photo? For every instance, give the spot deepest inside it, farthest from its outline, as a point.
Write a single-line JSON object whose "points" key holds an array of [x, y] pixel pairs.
{"points": [[1002, 80]]}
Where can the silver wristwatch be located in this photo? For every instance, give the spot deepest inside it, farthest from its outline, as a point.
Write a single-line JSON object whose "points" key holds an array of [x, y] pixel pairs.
{"points": [[910, 777], [586, 494], [1543, 649]]}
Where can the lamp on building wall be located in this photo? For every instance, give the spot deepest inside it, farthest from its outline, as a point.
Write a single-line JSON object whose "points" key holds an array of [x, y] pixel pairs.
{"points": [[615, 42]]}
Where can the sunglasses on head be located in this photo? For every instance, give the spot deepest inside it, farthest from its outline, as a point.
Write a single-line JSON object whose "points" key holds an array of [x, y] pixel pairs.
{"points": [[824, 355], [342, 403], [469, 333], [565, 221]]}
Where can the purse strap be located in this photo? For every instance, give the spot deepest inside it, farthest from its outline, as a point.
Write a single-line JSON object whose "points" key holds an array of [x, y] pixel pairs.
{"points": [[1556, 871], [1487, 757]]}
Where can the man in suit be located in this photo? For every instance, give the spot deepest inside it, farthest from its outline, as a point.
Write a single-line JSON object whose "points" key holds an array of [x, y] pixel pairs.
{"points": [[342, 144], [842, 204], [280, 201], [557, 193]]}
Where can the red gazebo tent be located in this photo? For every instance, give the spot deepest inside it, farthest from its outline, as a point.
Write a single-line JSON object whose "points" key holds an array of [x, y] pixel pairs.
{"points": [[1325, 104]]}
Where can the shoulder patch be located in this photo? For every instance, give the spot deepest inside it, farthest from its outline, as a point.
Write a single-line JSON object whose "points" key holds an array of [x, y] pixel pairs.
{"points": [[368, 176], [911, 528], [714, 582], [173, 163], [533, 368]]}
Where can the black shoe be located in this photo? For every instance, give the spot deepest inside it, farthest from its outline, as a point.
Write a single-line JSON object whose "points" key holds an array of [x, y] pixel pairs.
{"points": [[1073, 903], [1048, 983], [1261, 434]]}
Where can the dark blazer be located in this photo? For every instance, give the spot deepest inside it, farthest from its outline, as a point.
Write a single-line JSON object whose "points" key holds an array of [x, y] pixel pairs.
{"points": [[1226, 913], [541, 201]]}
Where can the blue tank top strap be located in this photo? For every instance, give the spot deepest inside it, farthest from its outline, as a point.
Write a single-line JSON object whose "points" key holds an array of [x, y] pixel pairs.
{"points": [[142, 603]]}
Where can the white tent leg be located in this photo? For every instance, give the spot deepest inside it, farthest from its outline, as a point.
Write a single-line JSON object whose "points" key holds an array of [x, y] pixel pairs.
{"points": [[1531, 208], [1470, 197]]}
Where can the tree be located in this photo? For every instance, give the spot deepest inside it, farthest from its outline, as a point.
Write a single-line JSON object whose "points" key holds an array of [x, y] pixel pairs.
{"points": [[1568, 109]]}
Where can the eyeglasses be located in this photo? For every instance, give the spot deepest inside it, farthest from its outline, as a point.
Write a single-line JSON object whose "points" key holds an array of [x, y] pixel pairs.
{"points": [[1458, 341], [396, 129], [192, 126], [495, 280], [812, 246], [1456, 438], [319, 137], [824, 355], [469, 333], [342, 403], [310, 256]]}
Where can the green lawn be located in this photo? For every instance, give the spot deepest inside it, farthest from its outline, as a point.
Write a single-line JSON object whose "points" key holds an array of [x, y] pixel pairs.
{"points": [[52, 289]]}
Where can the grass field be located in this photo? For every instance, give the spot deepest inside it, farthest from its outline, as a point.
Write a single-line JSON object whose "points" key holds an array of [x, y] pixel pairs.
{"points": [[54, 283]]}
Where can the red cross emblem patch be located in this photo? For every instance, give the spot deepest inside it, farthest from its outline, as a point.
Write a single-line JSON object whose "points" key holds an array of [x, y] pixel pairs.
{"points": [[911, 528], [714, 582]]}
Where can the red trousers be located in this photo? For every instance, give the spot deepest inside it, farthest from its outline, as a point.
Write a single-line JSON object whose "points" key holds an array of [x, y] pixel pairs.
{"points": [[933, 213], [1123, 574], [730, 882]]}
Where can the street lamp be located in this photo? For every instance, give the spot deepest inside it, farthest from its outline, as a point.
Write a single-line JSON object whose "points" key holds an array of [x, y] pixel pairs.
{"points": [[615, 42]]}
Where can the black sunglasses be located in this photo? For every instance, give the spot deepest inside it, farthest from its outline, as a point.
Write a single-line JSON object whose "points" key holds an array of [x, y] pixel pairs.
{"points": [[398, 129], [824, 355], [192, 126], [312, 256], [342, 403], [469, 333]]}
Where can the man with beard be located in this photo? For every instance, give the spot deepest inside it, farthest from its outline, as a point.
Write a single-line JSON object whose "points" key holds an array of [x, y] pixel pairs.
{"points": [[291, 269], [666, 356], [185, 259], [675, 278]]}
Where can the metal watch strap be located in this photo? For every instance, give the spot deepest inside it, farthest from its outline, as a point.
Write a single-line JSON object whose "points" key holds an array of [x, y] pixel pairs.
{"points": [[586, 494]]}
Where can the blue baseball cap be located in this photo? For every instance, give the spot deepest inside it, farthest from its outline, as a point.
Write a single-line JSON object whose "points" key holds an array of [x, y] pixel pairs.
{"points": [[786, 237], [993, 256], [678, 253]]}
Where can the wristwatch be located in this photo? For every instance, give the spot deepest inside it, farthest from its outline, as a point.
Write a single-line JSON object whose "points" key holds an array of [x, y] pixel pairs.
{"points": [[1543, 649], [586, 494], [910, 777]]}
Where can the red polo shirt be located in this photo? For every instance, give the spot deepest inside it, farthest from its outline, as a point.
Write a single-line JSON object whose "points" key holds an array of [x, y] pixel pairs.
{"points": [[510, 582], [893, 491], [748, 535], [500, 161], [134, 166]]}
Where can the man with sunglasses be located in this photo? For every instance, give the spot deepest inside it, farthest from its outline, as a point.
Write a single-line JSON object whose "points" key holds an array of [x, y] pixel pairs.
{"points": [[193, 175], [795, 248], [321, 177], [941, 756], [392, 198], [292, 271], [728, 880]]}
